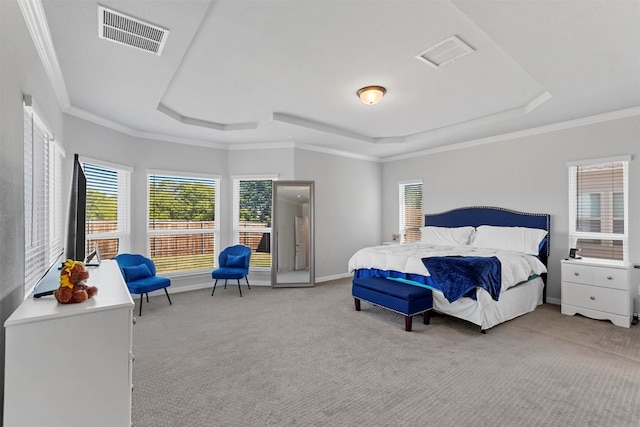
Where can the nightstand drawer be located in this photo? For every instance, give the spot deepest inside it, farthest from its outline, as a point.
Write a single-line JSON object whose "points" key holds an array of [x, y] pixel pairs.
{"points": [[615, 278], [596, 298], [577, 273]]}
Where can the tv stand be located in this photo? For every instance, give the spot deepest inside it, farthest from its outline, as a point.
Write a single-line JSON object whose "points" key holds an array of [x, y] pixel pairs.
{"points": [[71, 354]]}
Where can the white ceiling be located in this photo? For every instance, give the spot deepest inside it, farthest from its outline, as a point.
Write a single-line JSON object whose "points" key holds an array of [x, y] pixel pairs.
{"points": [[237, 73]]}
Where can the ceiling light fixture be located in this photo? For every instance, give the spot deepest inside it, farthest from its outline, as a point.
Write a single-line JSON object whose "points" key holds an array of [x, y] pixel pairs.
{"points": [[371, 94]]}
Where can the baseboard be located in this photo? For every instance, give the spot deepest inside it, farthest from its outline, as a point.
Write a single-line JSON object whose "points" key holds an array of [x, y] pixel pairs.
{"points": [[333, 277], [555, 301], [209, 285]]}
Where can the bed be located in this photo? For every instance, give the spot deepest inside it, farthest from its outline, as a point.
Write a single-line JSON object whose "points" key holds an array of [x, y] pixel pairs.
{"points": [[517, 240]]}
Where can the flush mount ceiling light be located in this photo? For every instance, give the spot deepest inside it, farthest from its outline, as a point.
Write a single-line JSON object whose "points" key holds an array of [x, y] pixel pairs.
{"points": [[371, 94]]}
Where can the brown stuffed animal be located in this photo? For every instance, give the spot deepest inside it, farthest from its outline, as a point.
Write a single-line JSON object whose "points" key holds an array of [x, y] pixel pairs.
{"points": [[72, 284]]}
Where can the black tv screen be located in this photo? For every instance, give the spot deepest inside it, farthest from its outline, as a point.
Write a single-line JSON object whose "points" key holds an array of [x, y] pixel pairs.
{"points": [[75, 248]]}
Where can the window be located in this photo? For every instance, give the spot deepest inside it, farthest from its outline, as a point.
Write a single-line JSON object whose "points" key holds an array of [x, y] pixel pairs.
{"points": [[108, 201], [184, 222], [43, 208], [252, 201], [411, 219], [598, 192]]}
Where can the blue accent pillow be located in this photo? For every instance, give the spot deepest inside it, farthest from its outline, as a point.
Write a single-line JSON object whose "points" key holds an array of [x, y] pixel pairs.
{"points": [[136, 272], [235, 261]]}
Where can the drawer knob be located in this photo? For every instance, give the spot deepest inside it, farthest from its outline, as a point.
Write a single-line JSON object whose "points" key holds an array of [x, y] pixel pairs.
{"points": [[576, 274], [609, 278], [592, 298]]}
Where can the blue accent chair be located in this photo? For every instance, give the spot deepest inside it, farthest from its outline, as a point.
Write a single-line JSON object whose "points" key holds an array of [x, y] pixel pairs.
{"points": [[233, 263], [139, 273]]}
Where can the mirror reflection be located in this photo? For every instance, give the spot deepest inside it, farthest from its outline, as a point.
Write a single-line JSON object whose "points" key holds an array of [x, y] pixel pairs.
{"points": [[292, 263]]}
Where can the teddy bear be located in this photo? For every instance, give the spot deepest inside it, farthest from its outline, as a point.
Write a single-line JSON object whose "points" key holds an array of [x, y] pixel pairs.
{"points": [[73, 288]]}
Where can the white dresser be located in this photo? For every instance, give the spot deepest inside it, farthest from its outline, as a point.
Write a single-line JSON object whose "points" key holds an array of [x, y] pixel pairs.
{"points": [[70, 365], [597, 290]]}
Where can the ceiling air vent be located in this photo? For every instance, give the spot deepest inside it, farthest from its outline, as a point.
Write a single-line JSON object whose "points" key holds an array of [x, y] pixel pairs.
{"points": [[129, 31], [445, 52]]}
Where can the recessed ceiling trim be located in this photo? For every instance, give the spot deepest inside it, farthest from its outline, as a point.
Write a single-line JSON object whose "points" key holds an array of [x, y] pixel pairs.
{"points": [[445, 52], [129, 31], [205, 123]]}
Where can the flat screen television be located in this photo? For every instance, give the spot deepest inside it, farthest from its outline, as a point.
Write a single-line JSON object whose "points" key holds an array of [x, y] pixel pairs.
{"points": [[75, 248]]}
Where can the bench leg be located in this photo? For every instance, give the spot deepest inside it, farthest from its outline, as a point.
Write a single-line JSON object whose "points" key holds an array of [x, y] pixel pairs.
{"points": [[408, 321], [427, 317], [357, 302]]}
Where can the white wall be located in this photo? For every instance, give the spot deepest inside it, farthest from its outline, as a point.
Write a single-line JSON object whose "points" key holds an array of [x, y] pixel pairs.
{"points": [[526, 174], [347, 207]]}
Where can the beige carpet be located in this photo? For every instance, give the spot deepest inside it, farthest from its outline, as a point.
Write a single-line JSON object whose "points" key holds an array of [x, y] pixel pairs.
{"points": [[305, 357]]}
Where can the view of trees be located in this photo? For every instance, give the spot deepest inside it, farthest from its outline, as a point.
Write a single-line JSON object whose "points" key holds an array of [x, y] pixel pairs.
{"points": [[182, 200], [101, 206], [187, 200], [255, 201]]}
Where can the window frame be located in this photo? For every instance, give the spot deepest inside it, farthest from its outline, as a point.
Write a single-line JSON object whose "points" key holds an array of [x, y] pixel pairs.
{"points": [[574, 234], [44, 227], [402, 223], [236, 229], [177, 232], [124, 206]]}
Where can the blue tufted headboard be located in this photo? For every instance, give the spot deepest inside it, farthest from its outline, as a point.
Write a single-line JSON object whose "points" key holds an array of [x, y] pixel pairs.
{"points": [[475, 216]]}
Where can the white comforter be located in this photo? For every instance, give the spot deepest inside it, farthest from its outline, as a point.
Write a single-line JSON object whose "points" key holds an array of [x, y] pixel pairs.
{"points": [[407, 258]]}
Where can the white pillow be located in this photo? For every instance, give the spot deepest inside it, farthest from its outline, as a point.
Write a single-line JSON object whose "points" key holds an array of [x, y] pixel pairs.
{"points": [[446, 236], [516, 239]]}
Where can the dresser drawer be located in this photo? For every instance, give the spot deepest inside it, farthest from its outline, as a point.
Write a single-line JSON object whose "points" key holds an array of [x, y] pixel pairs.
{"points": [[596, 298], [577, 273], [615, 278]]}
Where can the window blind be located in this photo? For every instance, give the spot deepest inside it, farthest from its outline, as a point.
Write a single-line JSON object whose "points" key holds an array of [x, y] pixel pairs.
{"points": [[599, 209], [42, 198], [252, 203], [108, 202], [411, 217], [183, 222]]}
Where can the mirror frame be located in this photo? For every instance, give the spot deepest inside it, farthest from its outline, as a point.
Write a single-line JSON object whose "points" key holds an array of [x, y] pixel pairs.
{"points": [[277, 185]]}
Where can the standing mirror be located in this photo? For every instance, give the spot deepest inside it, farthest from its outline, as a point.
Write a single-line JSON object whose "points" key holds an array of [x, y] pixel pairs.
{"points": [[292, 252]]}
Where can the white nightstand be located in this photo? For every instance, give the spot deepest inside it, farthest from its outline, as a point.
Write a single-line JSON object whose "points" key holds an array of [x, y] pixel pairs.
{"points": [[597, 290]]}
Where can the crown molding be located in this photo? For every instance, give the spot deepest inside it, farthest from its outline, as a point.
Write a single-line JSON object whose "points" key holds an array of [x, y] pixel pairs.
{"points": [[36, 21], [101, 121], [584, 121]]}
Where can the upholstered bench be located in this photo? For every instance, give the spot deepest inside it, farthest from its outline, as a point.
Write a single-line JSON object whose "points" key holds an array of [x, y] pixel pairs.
{"points": [[393, 295]]}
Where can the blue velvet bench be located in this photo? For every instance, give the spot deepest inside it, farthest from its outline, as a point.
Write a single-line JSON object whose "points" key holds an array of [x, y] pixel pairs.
{"points": [[402, 298]]}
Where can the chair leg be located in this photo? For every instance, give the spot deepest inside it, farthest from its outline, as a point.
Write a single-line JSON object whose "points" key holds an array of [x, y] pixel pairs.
{"points": [[214, 287], [247, 279], [225, 283], [141, 295], [147, 296], [167, 292], [239, 288]]}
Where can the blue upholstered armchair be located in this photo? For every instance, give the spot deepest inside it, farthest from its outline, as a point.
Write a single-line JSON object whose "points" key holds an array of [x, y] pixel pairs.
{"points": [[233, 263], [139, 273]]}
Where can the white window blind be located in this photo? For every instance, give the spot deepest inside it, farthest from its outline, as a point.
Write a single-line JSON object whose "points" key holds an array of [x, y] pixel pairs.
{"points": [[108, 199], [598, 197], [43, 209], [252, 202], [411, 217], [184, 222]]}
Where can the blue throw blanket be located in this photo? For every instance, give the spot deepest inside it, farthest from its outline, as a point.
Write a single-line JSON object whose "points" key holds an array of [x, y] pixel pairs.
{"points": [[458, 276]]}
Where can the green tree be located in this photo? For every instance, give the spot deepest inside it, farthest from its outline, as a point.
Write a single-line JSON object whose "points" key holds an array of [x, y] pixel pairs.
{"points": [[255, 201], [101, 206], [182, 200]]}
